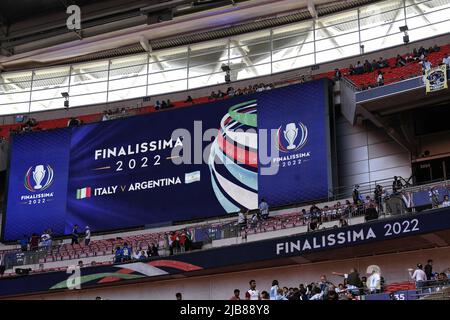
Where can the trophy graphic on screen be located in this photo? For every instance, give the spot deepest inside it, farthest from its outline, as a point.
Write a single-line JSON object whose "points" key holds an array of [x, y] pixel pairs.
{"points": [[38, 176], [290, 134]]}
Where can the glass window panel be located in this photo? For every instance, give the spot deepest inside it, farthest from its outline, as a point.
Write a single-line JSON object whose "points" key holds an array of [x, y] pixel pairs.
{"points": [[171, 54], [48, 104], [211, 57], [167, 76], [127, 93], [382, 30], [88, 88], [385, 42], [16, 81], [292, 52], [89, 73], [380, 7], [239, 49], [157, 66], [207, 80], [87, 99], [161, 88], [14, 97], [334, 25], [424, 32], [128, 83], [253, 71], [294, 30], [293, 63], [339, 41], [337, 53], [14, 108], [205, 69], [44, 74], [48, 94]]}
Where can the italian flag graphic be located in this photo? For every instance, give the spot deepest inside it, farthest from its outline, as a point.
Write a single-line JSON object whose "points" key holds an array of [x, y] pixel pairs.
{"points": [[84, 193]]}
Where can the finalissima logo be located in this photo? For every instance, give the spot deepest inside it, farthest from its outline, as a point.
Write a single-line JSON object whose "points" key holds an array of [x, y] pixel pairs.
{"points": [[42, 178], [291, 138]]}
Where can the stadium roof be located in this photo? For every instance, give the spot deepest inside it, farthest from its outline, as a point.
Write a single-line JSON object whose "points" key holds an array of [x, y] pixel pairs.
{"points": [[33, 33]]}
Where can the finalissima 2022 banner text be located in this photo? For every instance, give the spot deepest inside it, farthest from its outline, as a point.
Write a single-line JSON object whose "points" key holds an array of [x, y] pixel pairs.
{"points": [[175, 165]]}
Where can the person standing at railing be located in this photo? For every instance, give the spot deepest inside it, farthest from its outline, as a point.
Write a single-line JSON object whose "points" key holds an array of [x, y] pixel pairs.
{"points": [[397, 185], [264, 209], [378, 196], [418, 276]]}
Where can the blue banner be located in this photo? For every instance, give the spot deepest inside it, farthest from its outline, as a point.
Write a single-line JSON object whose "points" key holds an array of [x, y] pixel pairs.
{"points": [[184, 164], [304, 245]]}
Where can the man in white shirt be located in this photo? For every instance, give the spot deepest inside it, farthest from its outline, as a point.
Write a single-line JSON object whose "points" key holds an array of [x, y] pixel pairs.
{"points": [[446, 60], [87, 236], [264, 209], [418, 276], [274, 290], [446, 202], [426, 65], [252, 293], [374, 282]]}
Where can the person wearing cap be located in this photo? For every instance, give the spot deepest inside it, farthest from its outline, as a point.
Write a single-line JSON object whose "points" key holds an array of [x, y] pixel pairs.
{"points": [[418, 276], [87, 236]]}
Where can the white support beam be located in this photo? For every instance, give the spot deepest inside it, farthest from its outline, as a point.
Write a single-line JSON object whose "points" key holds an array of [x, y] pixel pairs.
{"points": [[312, 9]]}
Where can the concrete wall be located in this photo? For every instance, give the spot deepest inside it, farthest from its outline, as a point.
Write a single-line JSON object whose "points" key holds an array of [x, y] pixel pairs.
{"points": [[220, 287], [366, 153]]}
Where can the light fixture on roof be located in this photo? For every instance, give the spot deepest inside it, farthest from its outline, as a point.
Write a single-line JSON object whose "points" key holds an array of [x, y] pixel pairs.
{"points": [[65, 95], [405, 29]]}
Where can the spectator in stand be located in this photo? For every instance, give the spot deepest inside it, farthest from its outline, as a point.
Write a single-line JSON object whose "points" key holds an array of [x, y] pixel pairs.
{"points": [[242, 220], [400, 61], [264, 209], [24, 243], [426, 65], [230, 92], [169, 104], [325, 286], [353, 280], [368, 66], [80, 264], [126, 253], [212, 96], [397, 185], [164, 105], [446, 60], [415, 54], [429, 269], [274, 290], [34, 242], [182, 241], [252, 293], [434, 197], [380, 78], [46, 240], [280, 295], [87, 236], [356, 194], [178, 296], [75, 235], [337, 75], [446, 202], [152, 251], [382, 63], [265, 295], [118, 255], [236, 294], [317, 294], [418, 276], [359, 68], [158, 105], [174, 244], [374, 65], [189, 100], [351, 70], [378, 196]]}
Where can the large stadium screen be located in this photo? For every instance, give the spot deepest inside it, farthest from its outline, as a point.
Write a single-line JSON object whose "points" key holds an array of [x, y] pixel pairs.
{"points": [[189, 163]]}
